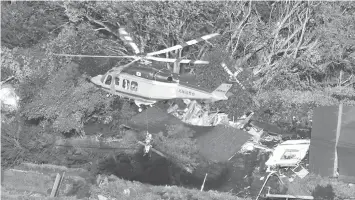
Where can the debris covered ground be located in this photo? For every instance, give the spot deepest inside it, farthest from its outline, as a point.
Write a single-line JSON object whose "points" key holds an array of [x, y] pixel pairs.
{"points": [[249, 153]]}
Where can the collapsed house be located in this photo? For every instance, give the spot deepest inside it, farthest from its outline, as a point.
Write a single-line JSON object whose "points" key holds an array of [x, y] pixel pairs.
{"points": [[196, 115], [332, 147]]}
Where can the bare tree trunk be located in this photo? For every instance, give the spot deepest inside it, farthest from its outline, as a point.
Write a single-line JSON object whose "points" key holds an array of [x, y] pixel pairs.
{"points": [[340, 78], [177, 64], [237, 30]]}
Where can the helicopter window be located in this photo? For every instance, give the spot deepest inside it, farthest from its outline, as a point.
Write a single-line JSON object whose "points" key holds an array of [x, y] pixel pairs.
{"points": [[117, 81], [125, 84], [108, 80], [134, 86]]}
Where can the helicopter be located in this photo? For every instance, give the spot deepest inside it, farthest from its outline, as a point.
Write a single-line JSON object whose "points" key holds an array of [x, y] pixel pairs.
{"points": [[148, 85]]}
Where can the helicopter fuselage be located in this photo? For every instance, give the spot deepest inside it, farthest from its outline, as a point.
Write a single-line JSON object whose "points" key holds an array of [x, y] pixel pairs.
{"points": [[146, 86]]}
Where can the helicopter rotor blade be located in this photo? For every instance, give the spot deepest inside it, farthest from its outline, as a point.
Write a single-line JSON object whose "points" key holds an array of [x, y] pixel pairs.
{"points": [[126, 38], [120, 68], [173, 60], [188, 43], [94, 56]]}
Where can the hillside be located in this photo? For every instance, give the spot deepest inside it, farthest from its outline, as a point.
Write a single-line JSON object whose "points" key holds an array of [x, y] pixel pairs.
{"points": [[293, 56]]}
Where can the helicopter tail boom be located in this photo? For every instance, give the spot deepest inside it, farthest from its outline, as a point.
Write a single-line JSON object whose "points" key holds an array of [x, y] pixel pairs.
{"points": [[222, 90]]}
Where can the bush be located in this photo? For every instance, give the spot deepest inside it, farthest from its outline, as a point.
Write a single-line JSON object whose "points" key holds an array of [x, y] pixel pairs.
{"points": [[323, 193]]}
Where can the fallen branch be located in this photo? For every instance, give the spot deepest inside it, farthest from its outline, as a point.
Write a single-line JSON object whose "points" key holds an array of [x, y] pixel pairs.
{"points": [[55, 185], [7, 80], [104, 26], [60, 183], [245, 58], [203, 184]]}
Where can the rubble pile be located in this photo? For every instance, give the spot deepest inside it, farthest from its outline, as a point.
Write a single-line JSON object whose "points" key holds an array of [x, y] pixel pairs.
{"points": [[198, 115], [285, 158]]}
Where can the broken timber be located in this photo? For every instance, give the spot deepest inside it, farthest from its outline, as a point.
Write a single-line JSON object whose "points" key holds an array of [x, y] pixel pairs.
{"points": [[56, 185], [203, 184]]}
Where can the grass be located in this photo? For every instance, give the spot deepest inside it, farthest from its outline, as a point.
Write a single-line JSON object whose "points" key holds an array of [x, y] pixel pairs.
{"points": [[35, 185], [31, 185], [121, 189]]}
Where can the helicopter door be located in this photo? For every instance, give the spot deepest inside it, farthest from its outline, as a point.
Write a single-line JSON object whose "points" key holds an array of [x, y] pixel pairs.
{"points": [[117, 84], [134, 86], [117, 81]]}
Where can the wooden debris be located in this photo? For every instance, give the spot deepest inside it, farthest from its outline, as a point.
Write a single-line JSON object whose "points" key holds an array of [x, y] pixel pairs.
{"points": [[55, 185], [60, 183], [204, 180]]}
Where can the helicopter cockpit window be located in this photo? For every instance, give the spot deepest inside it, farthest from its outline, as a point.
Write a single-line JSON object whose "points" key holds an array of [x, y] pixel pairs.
{"points": [[134, 86], [117, 81], [108, 80], [125, 84]]}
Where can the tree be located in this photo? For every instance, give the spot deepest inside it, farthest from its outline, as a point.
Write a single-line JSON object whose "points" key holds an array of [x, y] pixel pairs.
{"points": [[24, 24], [66, 101], [178, 145], [153, 25]]}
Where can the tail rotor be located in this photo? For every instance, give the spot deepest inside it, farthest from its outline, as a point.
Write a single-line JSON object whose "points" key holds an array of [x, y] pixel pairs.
{"points": [[233, 76]]}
